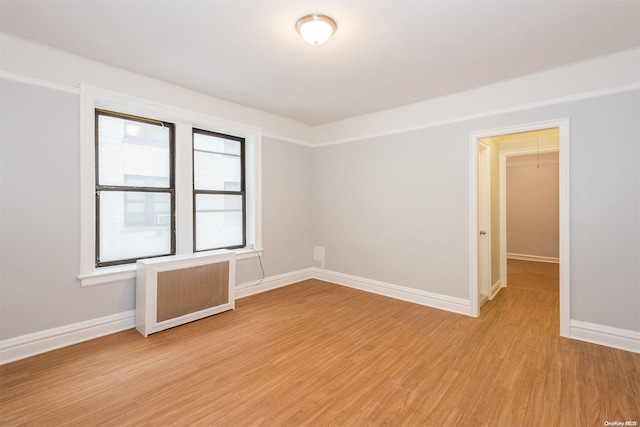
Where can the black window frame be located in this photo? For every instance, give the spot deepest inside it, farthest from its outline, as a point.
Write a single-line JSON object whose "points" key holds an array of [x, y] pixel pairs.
{"points": [[242, 192], [125, 188]]}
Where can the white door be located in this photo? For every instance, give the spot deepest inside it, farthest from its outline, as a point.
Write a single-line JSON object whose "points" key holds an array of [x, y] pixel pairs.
{"points": [[484, 223]]}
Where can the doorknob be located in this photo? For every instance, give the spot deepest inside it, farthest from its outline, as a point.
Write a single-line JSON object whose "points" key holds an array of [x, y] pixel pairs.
{"points": [[482, 233]]}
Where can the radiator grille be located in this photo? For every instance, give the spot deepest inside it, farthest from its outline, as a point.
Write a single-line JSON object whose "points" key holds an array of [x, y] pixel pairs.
{"points": [[192, 289]]}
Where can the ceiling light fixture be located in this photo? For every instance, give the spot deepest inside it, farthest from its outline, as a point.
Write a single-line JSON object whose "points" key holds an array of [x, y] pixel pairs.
{"points": [[316, 29]]}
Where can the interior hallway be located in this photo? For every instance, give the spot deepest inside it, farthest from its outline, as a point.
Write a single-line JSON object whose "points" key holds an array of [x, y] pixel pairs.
{"points": [[535, 276]]}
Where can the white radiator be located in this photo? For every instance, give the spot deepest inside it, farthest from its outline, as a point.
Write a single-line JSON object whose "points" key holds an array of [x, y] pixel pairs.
{"points": [[178, 289]]}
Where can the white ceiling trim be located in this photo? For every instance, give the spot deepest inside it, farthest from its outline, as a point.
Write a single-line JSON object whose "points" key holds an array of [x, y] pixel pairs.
{"points": [[593, 78], [38, 82], [287, 139], [609, 74], [560, 100], [5, 75]]}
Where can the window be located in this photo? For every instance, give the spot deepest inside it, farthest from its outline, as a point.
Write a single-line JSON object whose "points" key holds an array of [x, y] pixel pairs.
{"points": [[138, 197], [219, 197], [135, 191], [145, 209]]}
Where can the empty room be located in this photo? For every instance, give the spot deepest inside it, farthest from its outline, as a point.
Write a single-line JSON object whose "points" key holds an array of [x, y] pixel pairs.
{"points": [[288, 213]]}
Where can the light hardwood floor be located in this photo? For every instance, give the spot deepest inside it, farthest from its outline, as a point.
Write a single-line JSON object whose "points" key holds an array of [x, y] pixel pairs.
{"points": [[536, 276], [316, 353]]}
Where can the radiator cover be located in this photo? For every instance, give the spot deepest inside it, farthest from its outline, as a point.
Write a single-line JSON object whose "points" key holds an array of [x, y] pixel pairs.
{"points": [[174, 290]]}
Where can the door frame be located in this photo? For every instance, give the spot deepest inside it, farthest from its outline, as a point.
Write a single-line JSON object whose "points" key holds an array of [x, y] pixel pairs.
{"points": [[564, 180]]}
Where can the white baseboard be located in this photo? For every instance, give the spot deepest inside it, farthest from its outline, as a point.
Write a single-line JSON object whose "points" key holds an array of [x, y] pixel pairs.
{"points": [[35, 343], [429, 299], [29, 345], [495, 288], [24, 346], [246, 289], [535, 258], [17, 348], [605, 335]]}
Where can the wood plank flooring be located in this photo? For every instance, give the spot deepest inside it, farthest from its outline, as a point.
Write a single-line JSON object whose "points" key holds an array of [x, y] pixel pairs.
{"points": [[536, 276], [316, 354]]}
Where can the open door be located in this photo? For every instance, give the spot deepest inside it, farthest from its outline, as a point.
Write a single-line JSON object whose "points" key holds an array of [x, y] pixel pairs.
{"points": [[484, 223]]}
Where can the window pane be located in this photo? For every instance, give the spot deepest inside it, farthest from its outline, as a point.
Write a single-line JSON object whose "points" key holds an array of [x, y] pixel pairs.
{"points": [[134, 225], [218, 221], [216, 163], [215, 144], [131, 148], [216, 172]]}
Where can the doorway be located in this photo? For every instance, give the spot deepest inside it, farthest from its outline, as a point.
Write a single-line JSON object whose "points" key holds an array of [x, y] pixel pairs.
{"points": [[478, 275], [538, 243]]}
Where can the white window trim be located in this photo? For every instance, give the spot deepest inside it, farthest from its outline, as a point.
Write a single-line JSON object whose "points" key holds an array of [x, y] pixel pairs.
{"points": [[92, 98]]}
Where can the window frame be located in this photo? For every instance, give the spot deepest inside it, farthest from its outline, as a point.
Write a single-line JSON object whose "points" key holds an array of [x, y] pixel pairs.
{"points": [[171, 190], [242, 192], [185, 120]]}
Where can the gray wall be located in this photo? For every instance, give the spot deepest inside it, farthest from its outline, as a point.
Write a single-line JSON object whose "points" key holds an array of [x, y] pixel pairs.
{"points": [[39, 221], [605, 216], [40, 213], [395, 208], [286, 206]]}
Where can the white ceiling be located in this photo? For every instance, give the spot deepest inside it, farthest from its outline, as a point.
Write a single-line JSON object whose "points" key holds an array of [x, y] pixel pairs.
{"points": [[385, 53]]}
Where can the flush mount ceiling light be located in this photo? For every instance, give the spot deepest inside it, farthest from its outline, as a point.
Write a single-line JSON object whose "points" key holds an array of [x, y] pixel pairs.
{"points": [[316, 29]]}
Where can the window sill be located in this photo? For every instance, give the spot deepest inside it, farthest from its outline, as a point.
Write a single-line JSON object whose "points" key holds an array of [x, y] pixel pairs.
{"points": [[105, 275], [120, 273]]}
